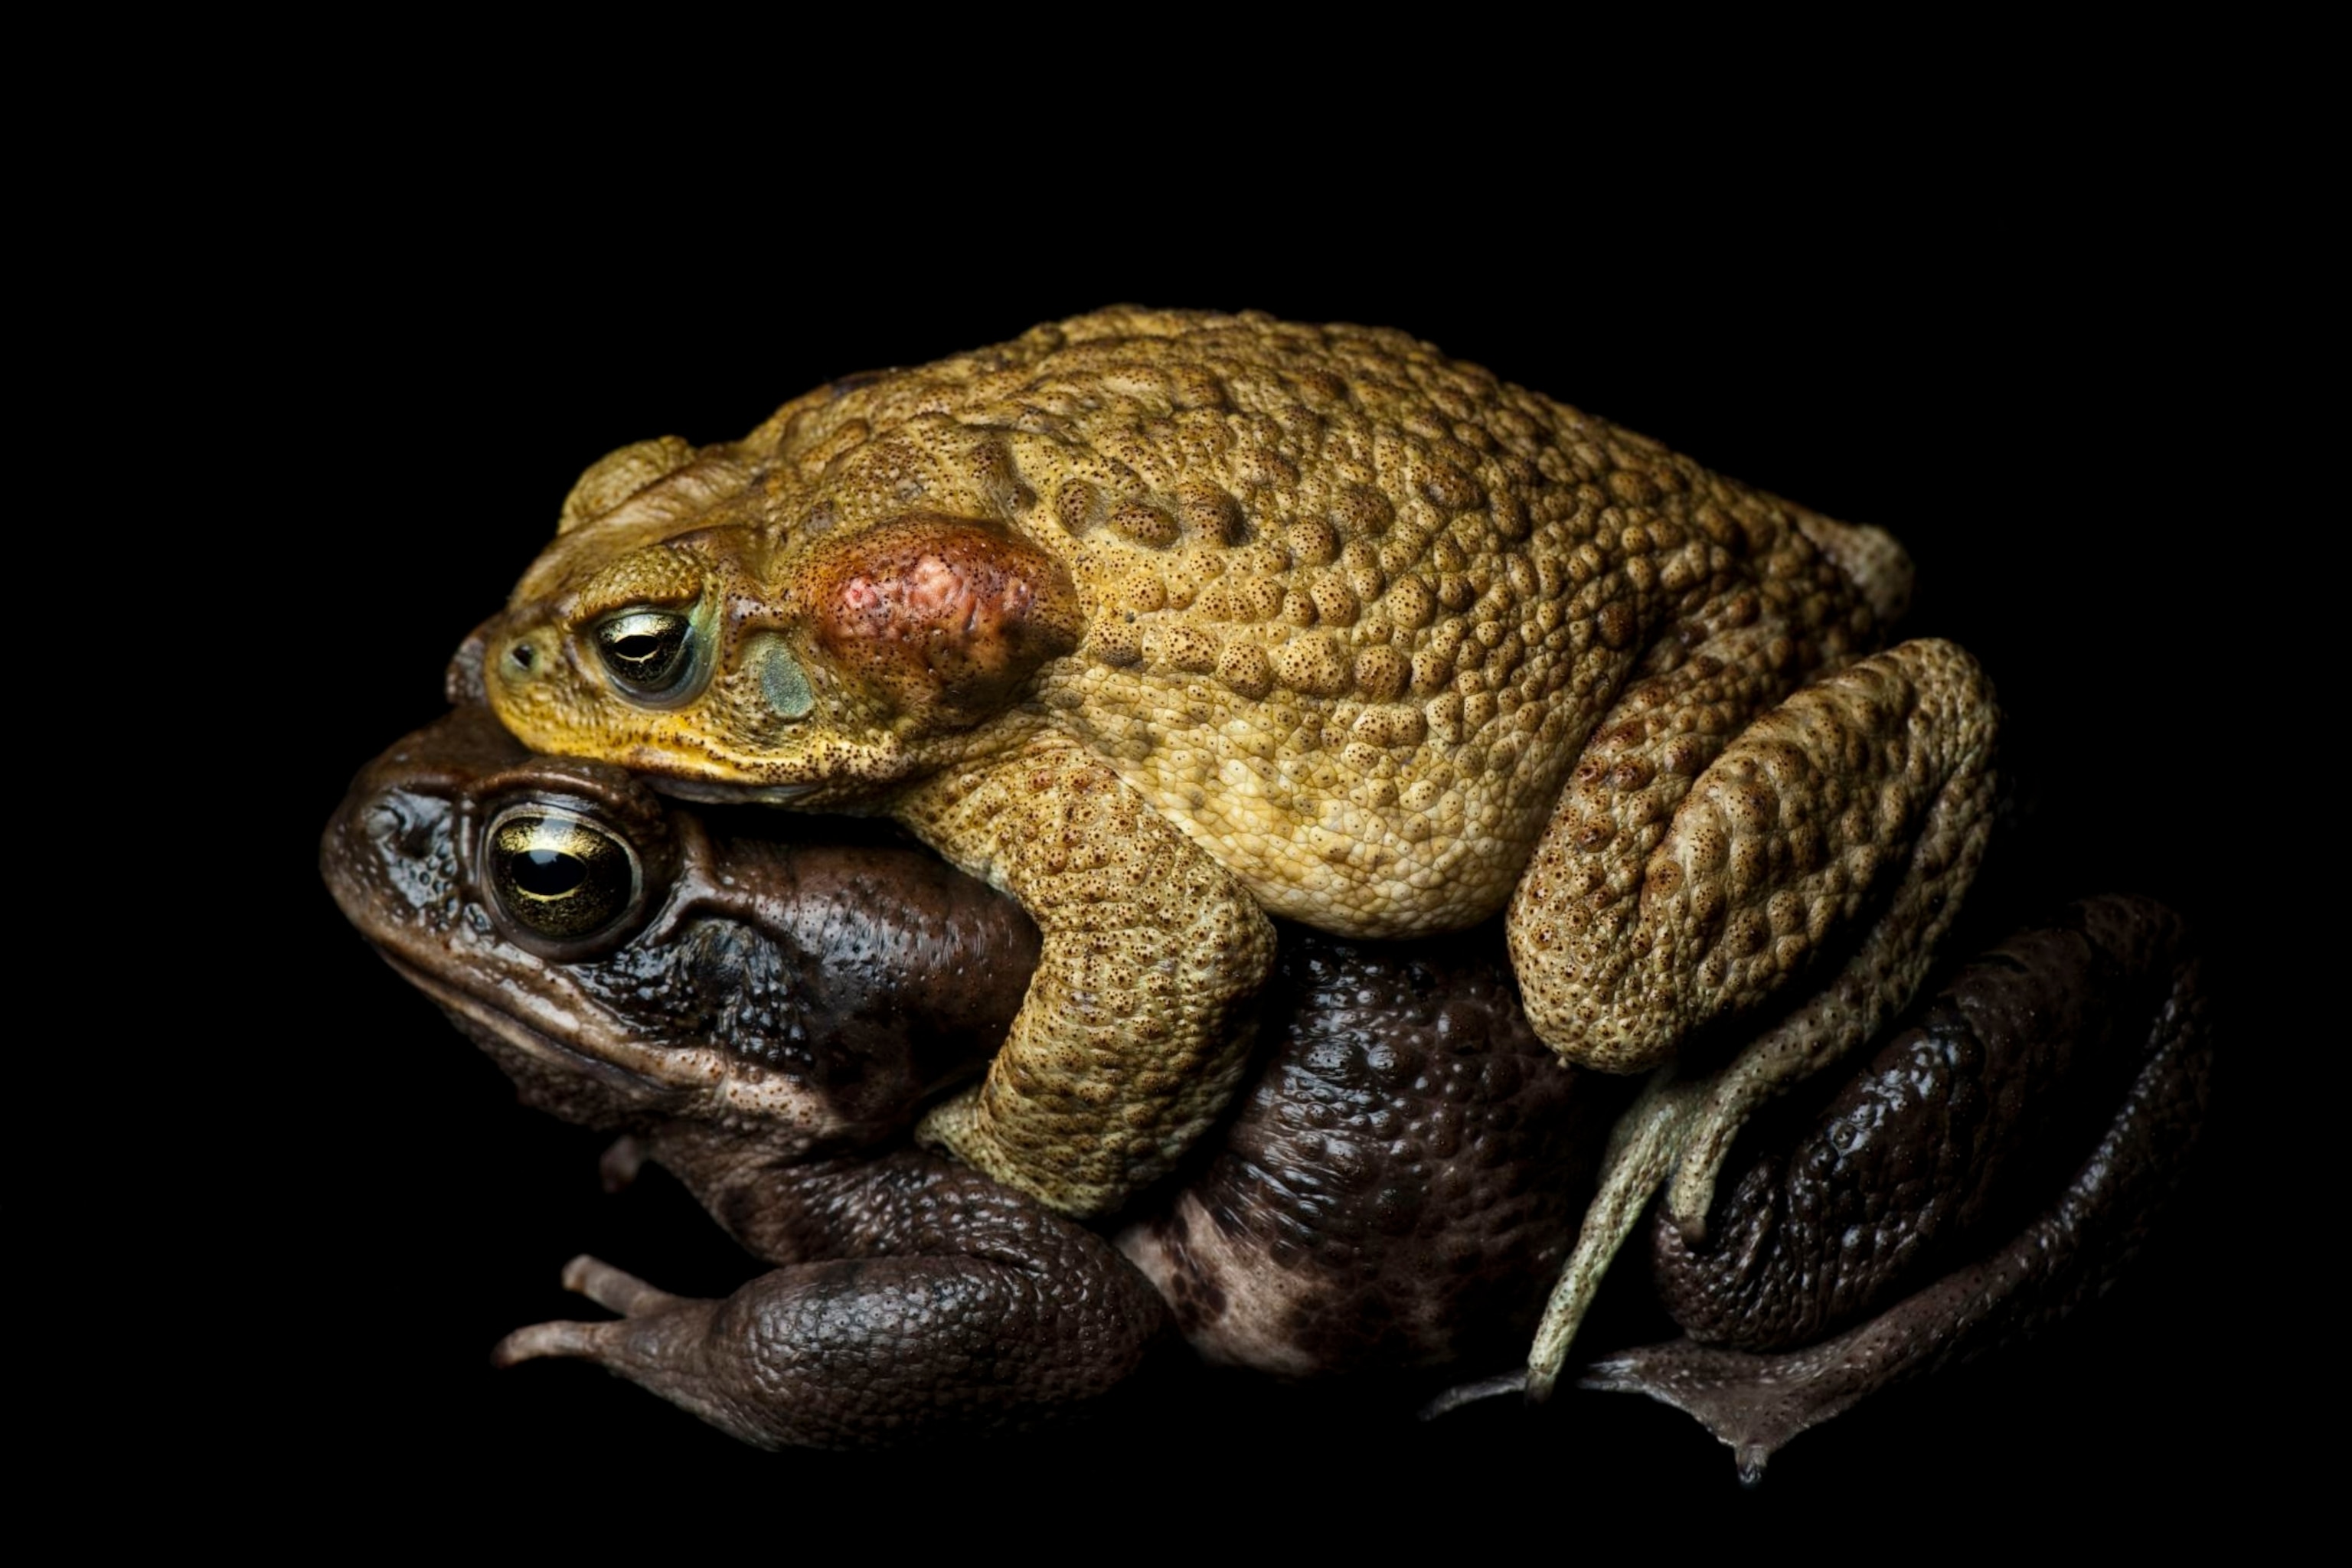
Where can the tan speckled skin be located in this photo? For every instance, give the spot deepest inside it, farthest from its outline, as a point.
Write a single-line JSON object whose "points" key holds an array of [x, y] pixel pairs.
{"points": [[1640, 918], [1313, 620]]}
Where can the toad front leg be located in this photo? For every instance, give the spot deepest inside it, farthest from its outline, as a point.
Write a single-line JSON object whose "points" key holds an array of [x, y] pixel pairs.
{"points": [[1134, 1030], [845, 1353], [1686, 882], [958, 1307]]}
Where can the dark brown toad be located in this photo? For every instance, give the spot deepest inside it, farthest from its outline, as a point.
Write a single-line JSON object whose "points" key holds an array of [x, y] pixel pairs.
{"points": [[766, 1016]]}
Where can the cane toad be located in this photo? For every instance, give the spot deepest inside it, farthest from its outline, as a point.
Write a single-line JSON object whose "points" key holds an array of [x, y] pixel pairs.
{"points": [[763, 1011], [1166, 622], [763, 1015]]}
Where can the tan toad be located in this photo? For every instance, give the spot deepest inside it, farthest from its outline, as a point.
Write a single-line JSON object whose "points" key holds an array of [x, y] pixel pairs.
{"points": [[1160, 621]]}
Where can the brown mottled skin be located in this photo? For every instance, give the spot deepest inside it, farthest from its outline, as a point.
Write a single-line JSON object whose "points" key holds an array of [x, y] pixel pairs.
{"points": [[764, 1017], [1164, 622], [1395, 1188], [2014, 1064], [2105, 1006], [1401, 1178]]}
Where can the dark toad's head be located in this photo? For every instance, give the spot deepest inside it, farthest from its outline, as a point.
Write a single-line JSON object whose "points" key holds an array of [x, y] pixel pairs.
{"points": [[627, 962]]}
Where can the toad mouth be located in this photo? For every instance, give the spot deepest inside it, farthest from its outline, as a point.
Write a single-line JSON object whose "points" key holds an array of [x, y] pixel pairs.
{"points": [[507, 1027]]}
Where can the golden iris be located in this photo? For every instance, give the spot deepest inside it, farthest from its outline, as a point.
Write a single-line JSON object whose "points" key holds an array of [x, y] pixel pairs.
{"points": [[560, 877], [647, 651]]}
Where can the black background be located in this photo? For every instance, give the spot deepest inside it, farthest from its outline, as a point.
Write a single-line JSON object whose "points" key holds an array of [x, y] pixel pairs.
{"points": [[2022, 358]]}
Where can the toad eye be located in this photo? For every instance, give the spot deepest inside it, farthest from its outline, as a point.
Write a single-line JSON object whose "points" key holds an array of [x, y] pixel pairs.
{"points": [[648, 652], [559, 876]]}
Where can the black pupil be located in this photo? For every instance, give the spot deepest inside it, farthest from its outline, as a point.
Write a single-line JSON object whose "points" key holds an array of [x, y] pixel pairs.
{"points": [[549, 873]]}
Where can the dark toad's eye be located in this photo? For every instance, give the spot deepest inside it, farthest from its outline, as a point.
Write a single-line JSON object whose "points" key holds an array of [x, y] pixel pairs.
{"points": [[648, 652], [559, 876]]}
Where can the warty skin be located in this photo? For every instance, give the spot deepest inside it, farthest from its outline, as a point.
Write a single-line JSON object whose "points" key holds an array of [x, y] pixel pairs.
{"points": [[1396, 1189], [1165, 622]]}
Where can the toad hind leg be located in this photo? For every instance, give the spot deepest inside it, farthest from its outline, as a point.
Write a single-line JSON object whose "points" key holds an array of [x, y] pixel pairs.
{"points": [[1641, 1149], [1879, 774], [1136, 1027], [2061, 979]]}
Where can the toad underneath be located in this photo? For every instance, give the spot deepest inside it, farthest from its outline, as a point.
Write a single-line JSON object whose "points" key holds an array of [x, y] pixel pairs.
{"points": [[1162, 622]]}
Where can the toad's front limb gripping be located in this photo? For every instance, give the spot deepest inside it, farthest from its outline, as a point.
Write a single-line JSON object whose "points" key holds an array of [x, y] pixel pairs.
{"points": [[1135, 1031]]}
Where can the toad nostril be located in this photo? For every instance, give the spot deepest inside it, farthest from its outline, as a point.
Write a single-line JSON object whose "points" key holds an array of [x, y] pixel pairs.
{"points": [[404, 827]]}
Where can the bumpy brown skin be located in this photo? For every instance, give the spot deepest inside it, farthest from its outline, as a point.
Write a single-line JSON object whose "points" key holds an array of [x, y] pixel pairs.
{"points": [[765, 1018], [1399, 1181], [802, 995], [762, 1022], [1394, 1190], [1926, 1140], [1909, 1162], [914, 1300], [1282, 618]]}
